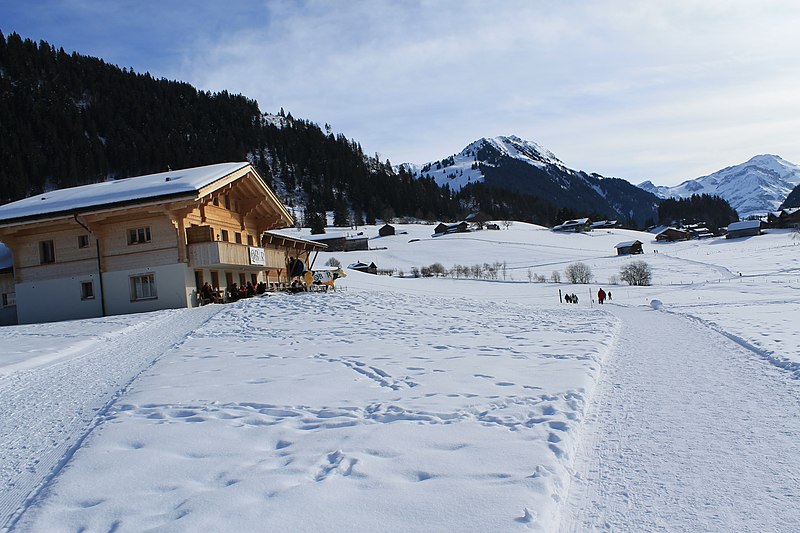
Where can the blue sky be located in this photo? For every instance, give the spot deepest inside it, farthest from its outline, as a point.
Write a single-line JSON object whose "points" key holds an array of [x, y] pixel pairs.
{"points": [[646, 89]]}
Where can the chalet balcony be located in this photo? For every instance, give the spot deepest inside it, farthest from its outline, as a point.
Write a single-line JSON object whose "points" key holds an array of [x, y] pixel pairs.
{"points": [[220, 254]]}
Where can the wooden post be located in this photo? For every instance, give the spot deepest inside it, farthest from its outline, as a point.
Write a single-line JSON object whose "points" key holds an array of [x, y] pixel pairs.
{"points": [[559, 297]]}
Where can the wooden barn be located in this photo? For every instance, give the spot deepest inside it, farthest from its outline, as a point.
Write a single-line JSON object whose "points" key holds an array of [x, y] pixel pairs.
{"points": [[443, 229], [745, 228], [785, 218], [342, 243], [577, 225], [673, 234], [371, 268], [386, 230], [629, 248], [142, 243]]}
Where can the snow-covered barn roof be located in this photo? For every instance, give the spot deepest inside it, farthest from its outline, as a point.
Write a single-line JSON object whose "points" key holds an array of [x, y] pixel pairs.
{"points": [[627, 244], [744, 224], [107, 193]]}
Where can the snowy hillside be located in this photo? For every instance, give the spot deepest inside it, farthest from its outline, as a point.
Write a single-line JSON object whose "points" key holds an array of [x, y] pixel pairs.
{"points": [[456, 403], [757, 186]]}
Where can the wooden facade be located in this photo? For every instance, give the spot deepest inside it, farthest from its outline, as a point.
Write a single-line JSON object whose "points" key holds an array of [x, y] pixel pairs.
{"points": [[629, 248], [153, 252]]}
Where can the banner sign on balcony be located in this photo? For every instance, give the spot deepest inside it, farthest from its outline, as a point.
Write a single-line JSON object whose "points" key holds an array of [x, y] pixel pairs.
{"points": [[257, 256]]}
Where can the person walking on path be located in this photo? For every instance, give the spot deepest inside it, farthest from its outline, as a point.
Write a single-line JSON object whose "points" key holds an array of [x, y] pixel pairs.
{"points": [[601, 295]]}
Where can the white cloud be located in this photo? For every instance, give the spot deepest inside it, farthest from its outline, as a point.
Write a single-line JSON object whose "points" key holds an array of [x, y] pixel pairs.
{"points": [[637, 89]]}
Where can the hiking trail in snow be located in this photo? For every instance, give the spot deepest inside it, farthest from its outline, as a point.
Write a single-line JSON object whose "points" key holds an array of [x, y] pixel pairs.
{"points": [[687, 431], [48, 410]]}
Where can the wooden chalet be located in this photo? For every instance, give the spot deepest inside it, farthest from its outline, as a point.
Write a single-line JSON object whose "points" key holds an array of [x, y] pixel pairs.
{"points": [[342, 243], [673, 234], [745, 228], [444, 229], [386, 230], [577, 225], [604, 224], [784, 218], [629, 248], [360, 266], [144, 243]]}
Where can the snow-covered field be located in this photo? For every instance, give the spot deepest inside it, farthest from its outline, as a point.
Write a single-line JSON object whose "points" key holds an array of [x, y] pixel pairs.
{"points": [[426, 404]]}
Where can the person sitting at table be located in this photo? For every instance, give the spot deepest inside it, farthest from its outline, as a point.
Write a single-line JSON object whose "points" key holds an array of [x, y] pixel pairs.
{"points": [[233, 293], [206, 294]]}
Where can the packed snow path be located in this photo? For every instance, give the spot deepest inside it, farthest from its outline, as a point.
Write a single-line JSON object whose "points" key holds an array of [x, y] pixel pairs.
{"points": [[48, 410], [688, 431]]}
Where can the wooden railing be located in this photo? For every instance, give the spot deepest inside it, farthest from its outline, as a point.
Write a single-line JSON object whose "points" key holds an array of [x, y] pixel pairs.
{"points": [[219, 254]]}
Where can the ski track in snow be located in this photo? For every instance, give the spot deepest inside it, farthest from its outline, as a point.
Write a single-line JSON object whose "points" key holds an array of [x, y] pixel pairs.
{"points": [[679, 439], [46, 412]]}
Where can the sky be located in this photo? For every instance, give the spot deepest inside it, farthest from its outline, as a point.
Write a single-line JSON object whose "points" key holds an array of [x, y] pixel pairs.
{"points": [[645, 89]]}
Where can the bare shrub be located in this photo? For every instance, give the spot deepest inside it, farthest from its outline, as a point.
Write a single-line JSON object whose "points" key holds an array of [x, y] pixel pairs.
{"points": [[578, 273], [333, 262], [636, 273], [555, 277]]}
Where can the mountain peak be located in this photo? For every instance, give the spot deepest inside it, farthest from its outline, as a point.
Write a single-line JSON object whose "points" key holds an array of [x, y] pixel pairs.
{"points": [[757, 186]]}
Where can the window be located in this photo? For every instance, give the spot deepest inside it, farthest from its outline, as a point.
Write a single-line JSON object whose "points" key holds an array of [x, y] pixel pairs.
{"points": [[250, 240], [139, 235], [47, 253], [227, 202], [9, 299], [83, 241], [87, 290], [242, 278], [215, 201], [237, 237], [224, 235], [215, 279], [143, 287]]}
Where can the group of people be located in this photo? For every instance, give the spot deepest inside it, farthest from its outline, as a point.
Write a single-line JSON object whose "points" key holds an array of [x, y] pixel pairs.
{"points": [[237, 292], [571, 298], [602, 296]]}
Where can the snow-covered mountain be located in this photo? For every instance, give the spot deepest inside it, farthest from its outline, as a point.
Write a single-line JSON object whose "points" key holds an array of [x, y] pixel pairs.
{"points": [[754, 187], [518, 165], [462, 168]]}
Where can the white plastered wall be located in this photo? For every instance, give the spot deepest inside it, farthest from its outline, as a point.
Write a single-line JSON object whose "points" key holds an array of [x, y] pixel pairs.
{"points": [[57, 299], [174, 287]]}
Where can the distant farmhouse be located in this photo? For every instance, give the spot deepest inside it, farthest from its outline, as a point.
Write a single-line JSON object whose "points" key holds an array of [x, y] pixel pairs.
{"points": [[443, 229], [144, 243], [604, 224], [745, 228], [370, 268], [577, 225], [629, 248], [673, 234], [386, 230], [785, 218], [342, 243]]}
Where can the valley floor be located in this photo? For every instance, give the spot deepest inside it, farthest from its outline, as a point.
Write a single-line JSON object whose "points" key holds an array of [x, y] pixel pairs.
{"points": [[442, 404]]}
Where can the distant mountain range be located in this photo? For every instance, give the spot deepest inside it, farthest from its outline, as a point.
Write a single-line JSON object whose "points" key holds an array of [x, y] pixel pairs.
{"points": [[514, 164], [757, 186]]}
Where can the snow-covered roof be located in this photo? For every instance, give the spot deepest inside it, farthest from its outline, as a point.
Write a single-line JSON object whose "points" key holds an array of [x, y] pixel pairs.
{"points": [[744, 224], [627, 244], [163, 184]]}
